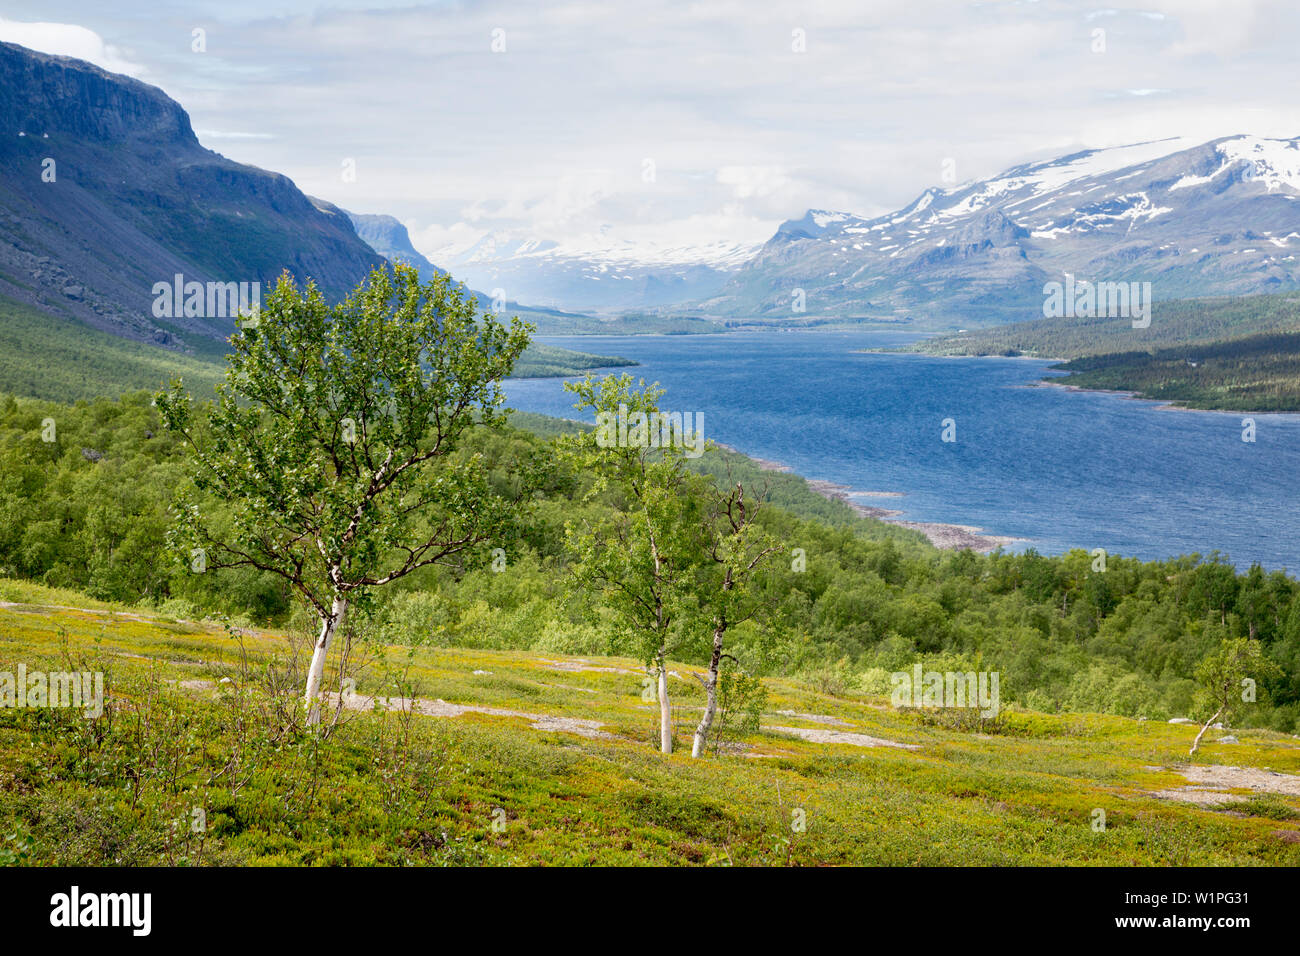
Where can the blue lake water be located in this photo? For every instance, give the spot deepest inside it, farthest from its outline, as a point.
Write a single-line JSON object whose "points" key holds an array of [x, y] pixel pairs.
{"points": [[1056, 468]]}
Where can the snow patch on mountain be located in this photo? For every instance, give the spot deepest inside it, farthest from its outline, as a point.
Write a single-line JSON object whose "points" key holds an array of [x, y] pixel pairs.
{"points": [[1274, 162]]}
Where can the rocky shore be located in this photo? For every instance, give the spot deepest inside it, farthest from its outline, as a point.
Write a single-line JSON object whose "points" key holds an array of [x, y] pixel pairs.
{"points": [[951, 537]]}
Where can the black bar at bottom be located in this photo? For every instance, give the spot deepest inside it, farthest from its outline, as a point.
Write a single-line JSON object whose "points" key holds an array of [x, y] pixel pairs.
{"points": [[337, 905]]}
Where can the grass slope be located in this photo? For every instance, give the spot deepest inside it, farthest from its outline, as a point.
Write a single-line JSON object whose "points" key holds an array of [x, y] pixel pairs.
{"points": [[199, 719], [60, 359]]}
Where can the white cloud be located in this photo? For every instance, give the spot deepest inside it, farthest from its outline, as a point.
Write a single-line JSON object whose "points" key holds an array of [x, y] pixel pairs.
{"points": [[68, 39], [750, 181]]}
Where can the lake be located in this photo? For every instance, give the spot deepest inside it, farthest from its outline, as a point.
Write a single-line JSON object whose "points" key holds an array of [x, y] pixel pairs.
{"points": [[1053, 468]]}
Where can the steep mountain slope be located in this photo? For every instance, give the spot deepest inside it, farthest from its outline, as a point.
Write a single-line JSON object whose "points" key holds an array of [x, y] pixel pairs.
{"points": [[1221, 218], [105, 191], [388, 237]]}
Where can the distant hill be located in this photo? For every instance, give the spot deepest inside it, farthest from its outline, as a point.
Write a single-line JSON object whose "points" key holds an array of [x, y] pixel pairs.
{"points": [[1257, 373], [1188, 322]]}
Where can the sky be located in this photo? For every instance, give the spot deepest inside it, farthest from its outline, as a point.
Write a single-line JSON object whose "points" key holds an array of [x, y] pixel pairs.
{"points": [[660, 124]]}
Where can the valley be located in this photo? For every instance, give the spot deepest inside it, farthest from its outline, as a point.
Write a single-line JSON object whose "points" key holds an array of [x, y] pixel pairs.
{"points": [[416, 587]]}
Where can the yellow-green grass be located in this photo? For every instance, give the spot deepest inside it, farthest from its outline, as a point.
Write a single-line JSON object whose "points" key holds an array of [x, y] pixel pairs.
{"points": [[491, 789]]}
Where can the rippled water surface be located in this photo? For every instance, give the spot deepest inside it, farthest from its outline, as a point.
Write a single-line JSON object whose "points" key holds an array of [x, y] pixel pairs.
{"points": [[1056, 468]]}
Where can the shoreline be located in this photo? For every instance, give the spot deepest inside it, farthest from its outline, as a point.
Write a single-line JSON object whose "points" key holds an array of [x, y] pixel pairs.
{"points": [[946, 537], [1160, 404]]}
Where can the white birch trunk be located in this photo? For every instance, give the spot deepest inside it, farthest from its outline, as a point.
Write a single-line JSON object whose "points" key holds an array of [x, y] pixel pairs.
{"points": [[706, 722], [316, 673], [1197, 742], [665, 711], [711, 693]]}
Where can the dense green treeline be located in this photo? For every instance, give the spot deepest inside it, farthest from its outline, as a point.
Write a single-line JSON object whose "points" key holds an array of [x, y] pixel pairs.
{"points": [[1237, 354], [1257, 373], [1175, 323], [89, 510]]}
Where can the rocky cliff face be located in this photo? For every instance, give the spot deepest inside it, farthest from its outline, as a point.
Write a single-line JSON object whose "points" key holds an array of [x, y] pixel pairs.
{"points": [[105, 191]]}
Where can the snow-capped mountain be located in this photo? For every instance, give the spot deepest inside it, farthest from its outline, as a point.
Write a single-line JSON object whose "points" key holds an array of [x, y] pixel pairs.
{"points": [[597, 274], [1218, 218]]}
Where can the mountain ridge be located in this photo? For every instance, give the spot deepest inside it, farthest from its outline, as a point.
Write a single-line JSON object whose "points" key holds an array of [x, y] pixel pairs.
{"points": [[980, 251]]}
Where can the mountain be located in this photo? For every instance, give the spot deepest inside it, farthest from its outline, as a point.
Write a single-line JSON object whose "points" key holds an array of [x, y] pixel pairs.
{"points": [[1220, 218], [387, 236], [597, 274], [105, 191]]}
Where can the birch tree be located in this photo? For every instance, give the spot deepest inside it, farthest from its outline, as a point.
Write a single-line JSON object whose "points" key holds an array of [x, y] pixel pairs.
{"points": [[330, 446], [737, 548], [675, 557], [639, 554], [1228, 676]]}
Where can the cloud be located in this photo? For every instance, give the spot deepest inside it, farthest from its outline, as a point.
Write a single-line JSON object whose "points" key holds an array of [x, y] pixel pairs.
{"points": [[68, 39], [749, 181]]}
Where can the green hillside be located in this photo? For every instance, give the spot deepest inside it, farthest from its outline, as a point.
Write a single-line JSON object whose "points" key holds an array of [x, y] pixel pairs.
{"points": [[43, 356], [1176, 323], [1259, 373], [93, 507], [61, 359]]}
